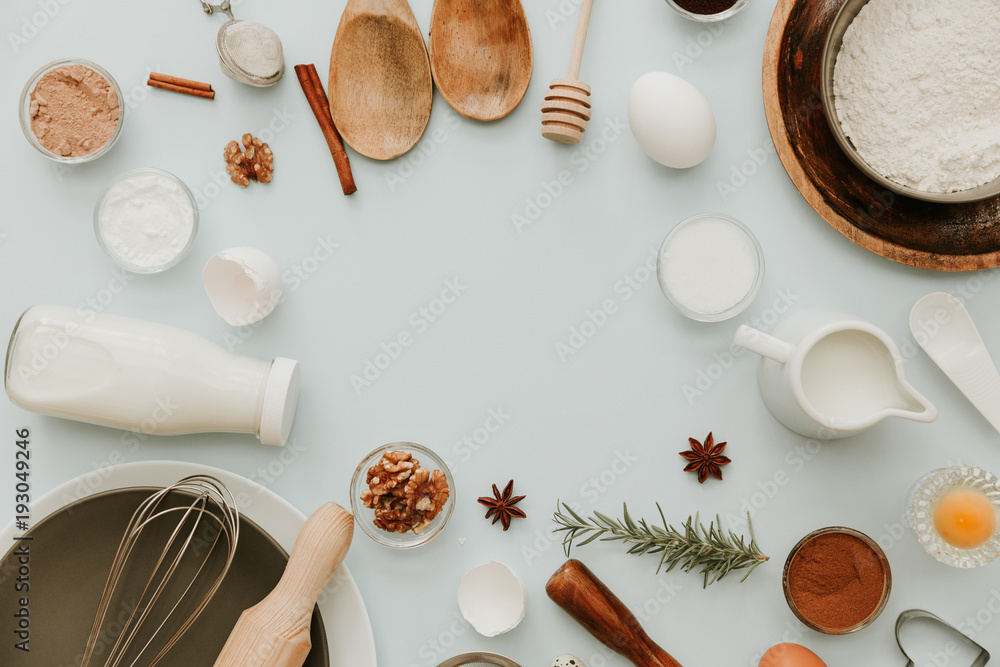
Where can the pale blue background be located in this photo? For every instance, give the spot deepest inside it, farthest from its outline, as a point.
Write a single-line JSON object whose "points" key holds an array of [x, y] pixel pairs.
{"points": [[444, 212]]}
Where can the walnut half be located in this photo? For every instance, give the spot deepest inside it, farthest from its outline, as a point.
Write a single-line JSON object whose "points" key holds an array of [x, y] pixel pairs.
{"points": [[254, 162], [426, 492]]}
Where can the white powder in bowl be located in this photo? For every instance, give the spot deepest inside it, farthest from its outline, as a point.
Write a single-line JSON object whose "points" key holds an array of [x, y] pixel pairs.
{"points": [[708, 266], [917, 88], [146, 220]]}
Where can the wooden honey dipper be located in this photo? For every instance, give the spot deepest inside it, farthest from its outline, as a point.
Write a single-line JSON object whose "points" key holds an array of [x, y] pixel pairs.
{"points": [[566, 109]]}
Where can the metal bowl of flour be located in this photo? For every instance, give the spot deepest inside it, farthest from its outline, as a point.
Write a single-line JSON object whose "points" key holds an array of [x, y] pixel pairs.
{"points": [[835, 38]]}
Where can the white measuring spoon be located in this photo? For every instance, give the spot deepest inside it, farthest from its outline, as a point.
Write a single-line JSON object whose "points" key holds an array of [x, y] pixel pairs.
{"points": [[943, 327]]}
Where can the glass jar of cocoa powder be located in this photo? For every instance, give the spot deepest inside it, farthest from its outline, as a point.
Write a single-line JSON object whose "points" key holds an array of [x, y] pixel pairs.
{"points": [[72, 111], [837, 580]]}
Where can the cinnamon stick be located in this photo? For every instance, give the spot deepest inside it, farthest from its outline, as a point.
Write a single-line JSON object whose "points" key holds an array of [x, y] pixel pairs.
{"points": [[177, 81], [316, 95], [194, 92]]}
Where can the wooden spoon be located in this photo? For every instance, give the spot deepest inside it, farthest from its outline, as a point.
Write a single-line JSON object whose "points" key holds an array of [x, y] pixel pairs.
{"points": [[380, 78], [275, 631], [481, 55]]}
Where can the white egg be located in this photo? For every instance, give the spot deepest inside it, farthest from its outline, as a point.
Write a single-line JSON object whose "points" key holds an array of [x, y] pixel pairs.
{"points": [[671, 120], [568, 661], [243, 284]]}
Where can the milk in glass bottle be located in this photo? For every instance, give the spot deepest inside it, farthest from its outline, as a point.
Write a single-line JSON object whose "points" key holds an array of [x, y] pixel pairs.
{"points": [[144, 376]]}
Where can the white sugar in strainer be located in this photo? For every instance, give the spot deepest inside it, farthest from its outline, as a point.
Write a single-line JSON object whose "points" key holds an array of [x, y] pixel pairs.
{"points": [[248, 52]]}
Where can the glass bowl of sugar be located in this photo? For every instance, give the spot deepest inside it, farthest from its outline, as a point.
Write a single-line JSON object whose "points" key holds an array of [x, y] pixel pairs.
{"points": [[146, 220], [710, 267]]}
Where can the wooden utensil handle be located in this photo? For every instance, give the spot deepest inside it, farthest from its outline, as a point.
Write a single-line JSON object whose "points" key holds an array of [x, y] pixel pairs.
{"points": [[275, 632], [581, 38], [319, 550], [585, 597]]}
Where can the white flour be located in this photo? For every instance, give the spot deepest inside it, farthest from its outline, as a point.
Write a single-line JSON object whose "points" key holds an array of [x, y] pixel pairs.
{"points": [[146, 220], [917, 86]]}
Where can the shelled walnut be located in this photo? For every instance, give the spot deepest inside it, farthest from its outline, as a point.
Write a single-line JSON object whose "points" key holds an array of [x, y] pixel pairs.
{"points": [[404, 496], [253, 162]]}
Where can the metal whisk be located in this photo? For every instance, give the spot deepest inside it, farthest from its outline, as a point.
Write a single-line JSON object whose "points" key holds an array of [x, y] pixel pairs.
{"points": [[199, 514]]}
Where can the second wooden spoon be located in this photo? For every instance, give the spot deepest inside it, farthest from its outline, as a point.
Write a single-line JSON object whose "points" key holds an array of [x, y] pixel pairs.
{"points": [[380, 78], [481, 55]]}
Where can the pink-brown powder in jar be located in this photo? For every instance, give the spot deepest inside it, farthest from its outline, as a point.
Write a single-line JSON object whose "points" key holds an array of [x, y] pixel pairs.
{"points": [[74, 110]]}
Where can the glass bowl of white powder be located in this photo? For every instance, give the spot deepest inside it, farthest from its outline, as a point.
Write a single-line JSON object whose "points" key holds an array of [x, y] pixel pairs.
{"points": [[910, 95], [71, 111], [146, 220], [710, 267]]}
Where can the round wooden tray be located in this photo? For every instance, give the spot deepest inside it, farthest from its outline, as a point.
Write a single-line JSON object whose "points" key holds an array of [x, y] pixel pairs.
{"points": [[945, 237]]}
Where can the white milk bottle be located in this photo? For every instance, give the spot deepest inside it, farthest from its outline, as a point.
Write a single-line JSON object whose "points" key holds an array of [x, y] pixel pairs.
{"points": [[146, 377]]}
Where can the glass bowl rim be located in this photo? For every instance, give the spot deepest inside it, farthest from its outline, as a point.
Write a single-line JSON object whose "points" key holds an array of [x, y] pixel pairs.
{"points": [[25, 104], [739, 306], [934, 544], [709, 18], [123, 263], [886, 583], [376, 534]]}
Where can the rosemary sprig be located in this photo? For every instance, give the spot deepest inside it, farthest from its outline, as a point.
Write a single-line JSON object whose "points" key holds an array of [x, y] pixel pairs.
{"points": [[716, 553]]}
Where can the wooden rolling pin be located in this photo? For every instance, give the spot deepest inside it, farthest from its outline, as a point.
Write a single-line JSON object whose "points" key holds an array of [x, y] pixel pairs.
{"points": [[275, 631], [584, 597]]}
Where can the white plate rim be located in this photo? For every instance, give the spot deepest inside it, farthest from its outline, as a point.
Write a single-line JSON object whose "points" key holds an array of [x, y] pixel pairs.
{"points": [[351, 640]]}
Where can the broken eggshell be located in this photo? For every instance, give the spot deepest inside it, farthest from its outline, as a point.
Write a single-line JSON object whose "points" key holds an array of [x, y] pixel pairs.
{"points": [[243, 284], [492, 598]]}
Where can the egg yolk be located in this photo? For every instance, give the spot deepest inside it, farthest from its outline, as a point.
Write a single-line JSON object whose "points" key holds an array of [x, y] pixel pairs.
{"points": [[965, 519]]}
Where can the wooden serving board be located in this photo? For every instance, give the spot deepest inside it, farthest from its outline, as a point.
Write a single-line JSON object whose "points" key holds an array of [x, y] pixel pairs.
{"points": [[944, 237]]}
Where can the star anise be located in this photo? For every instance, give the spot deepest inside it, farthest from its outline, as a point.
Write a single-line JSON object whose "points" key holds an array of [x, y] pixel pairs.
{"points": [[706, 459], [501, 505]]}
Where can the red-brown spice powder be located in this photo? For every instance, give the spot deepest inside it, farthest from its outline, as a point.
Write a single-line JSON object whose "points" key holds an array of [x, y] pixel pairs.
{"points": [[836, 580]]}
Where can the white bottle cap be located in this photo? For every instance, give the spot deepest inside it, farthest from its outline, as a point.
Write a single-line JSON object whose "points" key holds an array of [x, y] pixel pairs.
{"points": [[280, 397]]}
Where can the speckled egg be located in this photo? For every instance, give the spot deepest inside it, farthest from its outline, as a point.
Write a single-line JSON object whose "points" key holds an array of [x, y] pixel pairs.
{"points": [[568, 661]]}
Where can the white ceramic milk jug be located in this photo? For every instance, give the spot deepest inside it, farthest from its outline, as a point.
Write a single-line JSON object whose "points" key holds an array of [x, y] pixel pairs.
{"points": [[828, 374]]}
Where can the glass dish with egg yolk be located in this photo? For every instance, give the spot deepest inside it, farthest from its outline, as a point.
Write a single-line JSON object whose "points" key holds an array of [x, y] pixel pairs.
{"points": [[956, 515]]}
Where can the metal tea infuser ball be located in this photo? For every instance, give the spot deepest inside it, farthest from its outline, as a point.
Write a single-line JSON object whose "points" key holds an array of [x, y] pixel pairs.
{"points": [[249, 52], [479, 660]]}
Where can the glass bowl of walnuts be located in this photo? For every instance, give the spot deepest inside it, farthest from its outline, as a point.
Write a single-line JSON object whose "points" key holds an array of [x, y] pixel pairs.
{"points": [[402, 495]]}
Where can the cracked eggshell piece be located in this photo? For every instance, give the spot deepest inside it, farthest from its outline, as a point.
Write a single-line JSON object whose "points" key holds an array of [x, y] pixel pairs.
{"points": [[492, 598], [243, 284]]}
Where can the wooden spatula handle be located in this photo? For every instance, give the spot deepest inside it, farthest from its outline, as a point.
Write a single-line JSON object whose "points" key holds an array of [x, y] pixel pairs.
{"points": [[585, 597], [275, 632]]}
